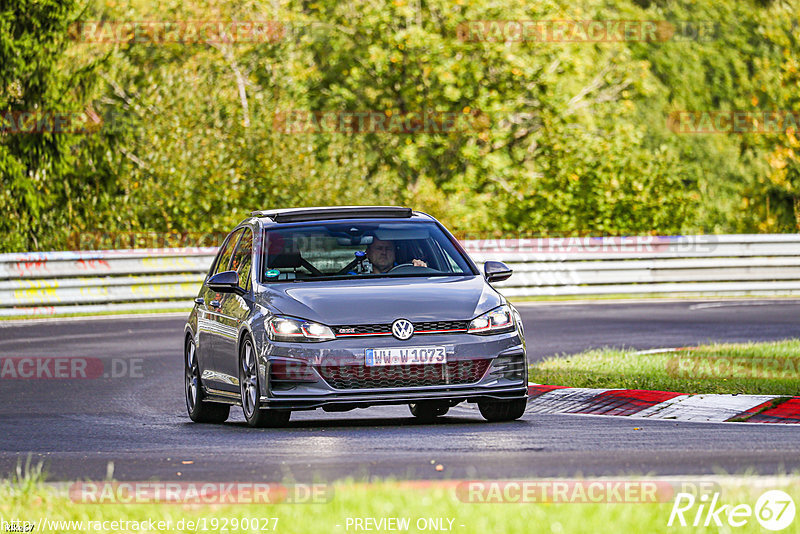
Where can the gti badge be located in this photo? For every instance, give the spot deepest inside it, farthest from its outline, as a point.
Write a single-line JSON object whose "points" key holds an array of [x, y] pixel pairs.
{"points": [[402, 329]]}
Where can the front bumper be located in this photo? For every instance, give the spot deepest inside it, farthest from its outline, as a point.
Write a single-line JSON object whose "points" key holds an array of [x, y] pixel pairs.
{"points": [[461, 349], [364, 400]]}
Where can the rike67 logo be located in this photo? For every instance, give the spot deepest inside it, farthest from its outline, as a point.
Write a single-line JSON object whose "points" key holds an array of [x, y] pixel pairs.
{"points": [[774, 510]]}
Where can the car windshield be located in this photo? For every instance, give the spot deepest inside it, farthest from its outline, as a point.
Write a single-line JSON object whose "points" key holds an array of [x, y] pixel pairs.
{"points": [[355, 249]]}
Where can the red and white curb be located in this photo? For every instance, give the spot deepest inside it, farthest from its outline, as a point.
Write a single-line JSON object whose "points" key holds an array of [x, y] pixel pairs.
{"points": [[663, 405]]}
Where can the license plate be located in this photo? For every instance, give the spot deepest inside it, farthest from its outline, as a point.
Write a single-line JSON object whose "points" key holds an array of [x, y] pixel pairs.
{"points": [[406, 356]]}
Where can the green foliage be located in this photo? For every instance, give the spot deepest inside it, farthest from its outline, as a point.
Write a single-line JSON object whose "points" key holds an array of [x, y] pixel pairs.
{"points": [[53, 184], [560, 138]]}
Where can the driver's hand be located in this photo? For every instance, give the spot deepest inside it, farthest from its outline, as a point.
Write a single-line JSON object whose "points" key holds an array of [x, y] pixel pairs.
{"points": [[419, 263]]}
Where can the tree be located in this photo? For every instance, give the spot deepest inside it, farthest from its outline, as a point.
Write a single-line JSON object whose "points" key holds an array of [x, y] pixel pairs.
{"points": [[52, 182]]}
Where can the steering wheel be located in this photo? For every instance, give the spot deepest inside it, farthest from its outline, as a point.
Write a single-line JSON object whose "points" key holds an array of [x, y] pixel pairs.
{"points": [[402, 265]]}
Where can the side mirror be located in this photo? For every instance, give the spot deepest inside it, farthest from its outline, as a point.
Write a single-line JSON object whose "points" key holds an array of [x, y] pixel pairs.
{"points": [[225, 282], [496, 271]]}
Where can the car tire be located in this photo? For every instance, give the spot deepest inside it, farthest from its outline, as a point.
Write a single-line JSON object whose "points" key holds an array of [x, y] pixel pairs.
{"points": [[428, 411], [505, 410], [250, 391], [200, 411]]}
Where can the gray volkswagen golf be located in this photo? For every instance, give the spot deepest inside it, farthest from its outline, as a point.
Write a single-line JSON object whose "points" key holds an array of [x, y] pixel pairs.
{"points": [[350, 307]]}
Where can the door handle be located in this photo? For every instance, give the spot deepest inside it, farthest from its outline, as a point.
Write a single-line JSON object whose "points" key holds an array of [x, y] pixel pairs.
{"points": [[213, 304], [199, 300]]}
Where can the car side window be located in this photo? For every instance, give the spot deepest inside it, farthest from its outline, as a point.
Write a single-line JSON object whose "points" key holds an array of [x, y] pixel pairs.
{"points": [[243, 259], [227, 252]]}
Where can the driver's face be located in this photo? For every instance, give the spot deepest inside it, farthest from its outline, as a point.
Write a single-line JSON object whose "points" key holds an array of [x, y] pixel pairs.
{"points": [[381, 255]]}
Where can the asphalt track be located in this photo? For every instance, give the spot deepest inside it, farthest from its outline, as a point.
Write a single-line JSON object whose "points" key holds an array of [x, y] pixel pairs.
{"points": [[138, 421]]}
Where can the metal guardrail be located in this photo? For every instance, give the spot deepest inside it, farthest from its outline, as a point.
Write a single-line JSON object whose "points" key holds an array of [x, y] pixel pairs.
{"points": [[705, 265], [54, 283]]}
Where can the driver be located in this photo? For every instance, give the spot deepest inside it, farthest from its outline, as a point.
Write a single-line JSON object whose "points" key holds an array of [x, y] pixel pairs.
{"points": [[381, 256]]}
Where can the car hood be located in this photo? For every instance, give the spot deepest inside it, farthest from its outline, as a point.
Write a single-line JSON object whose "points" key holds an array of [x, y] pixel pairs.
{"points": [[382, 300]]}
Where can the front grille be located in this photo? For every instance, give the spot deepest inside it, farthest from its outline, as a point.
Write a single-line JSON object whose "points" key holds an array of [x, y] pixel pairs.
{"points": [[399, 376], [386, 329], [362, 329], [440, 325]]}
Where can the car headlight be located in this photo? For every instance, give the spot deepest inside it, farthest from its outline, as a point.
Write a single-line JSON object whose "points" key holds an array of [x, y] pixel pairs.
{"points": [[290, 329], [493, 322]]}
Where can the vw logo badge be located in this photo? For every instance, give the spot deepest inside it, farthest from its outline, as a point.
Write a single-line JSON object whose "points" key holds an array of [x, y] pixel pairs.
{"points": [[402, 329]]}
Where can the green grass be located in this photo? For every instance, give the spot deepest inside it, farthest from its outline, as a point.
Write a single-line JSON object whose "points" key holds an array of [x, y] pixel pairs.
{"points": [[29, 499], [771, 368]]}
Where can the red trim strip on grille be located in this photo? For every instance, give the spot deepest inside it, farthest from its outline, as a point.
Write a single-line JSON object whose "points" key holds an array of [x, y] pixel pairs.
{"points": [[416, 332], [367, 334]]}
